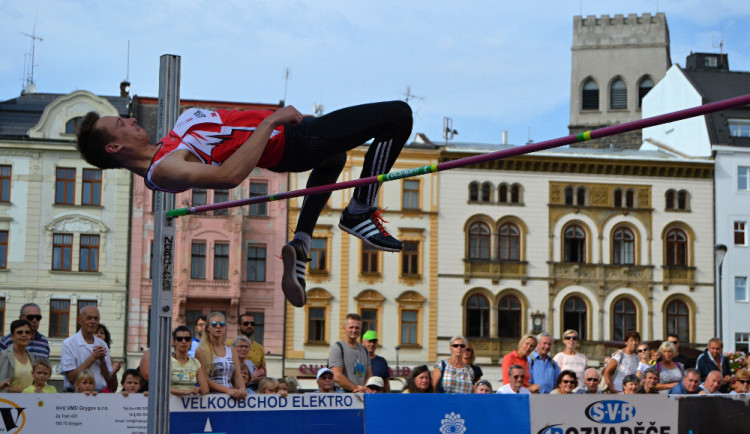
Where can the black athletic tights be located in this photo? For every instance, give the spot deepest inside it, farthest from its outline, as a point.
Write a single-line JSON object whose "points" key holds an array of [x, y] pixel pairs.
{"points": [[320, 144]]}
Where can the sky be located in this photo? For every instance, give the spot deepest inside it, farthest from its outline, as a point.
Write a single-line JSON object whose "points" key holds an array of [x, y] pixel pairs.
{"points": [[488, 65]]}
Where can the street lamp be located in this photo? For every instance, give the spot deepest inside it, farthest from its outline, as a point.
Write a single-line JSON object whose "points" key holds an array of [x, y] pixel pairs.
{"points": [[398, 369], [720, 250]]}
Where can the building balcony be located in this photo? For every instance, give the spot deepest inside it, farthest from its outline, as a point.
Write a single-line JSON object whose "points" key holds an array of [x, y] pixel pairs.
{"points": [[678, 275], [603, 273], [496, 348], [495, 269]]}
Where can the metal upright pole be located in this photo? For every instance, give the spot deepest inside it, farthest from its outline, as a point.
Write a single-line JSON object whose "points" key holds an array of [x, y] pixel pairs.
{"points": [[164, 235]]}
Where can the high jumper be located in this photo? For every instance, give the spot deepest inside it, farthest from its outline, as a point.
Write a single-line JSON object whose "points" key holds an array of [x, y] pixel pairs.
{"points": [[218, 150]]}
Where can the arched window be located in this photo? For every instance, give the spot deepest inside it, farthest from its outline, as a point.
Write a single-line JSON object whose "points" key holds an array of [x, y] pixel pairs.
{"points": [[473, 192], [509, 317], [515, 193], [623, 318], [643, 88], [676, 247], [71, 127], [568, 195], [486, 192], [508, 242], [477, 316], [669, 199], [618, 95], [479, 241], [630, 198], [574, 316], [682, 199], [581, 196], [590, 96], [623, 247], [678, 320], [575, 244], [618, 198], [502, 193]]}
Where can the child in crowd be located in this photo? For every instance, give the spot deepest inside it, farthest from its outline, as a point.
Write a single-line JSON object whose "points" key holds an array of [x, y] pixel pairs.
{"points": [[132, 381], [41, 370], [245, 371], [283, 387], [268, 386], [85, 383]]}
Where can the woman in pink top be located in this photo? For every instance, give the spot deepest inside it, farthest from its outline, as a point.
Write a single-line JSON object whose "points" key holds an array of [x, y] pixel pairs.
{"points": [[569, 359]]}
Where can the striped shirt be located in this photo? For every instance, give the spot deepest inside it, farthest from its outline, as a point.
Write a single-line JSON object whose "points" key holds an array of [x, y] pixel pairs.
{"points": [[38, 346]]}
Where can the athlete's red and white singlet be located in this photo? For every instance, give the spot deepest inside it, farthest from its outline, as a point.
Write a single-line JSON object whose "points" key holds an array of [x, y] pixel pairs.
{"points": [[215, 136]]}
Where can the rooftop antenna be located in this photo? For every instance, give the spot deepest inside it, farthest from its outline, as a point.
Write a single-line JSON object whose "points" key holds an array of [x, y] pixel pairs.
{"points": [[410, 96], [125, 84], [529, 140], [30, 86], [720, 46], [448, 131]]}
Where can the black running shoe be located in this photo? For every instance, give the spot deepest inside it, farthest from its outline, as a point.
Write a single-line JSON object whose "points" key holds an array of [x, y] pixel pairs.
{"points": [[293, 279], [369, 228]]}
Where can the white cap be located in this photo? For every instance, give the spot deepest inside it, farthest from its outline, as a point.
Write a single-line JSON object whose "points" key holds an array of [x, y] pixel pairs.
{"points": [[374, 381], [322, 371]]}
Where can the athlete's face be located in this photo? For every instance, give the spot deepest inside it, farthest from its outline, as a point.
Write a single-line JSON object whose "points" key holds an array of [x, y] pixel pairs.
{"points": [[124, 130]]}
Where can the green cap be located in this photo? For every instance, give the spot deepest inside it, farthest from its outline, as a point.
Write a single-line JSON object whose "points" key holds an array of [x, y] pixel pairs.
{"points": [[370, 335]]}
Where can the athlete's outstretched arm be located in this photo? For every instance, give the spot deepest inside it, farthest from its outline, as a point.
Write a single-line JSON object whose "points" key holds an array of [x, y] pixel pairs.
{"points": [[178, 174]]}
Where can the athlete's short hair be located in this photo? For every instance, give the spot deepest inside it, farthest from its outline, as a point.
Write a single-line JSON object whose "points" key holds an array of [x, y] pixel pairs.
{"points": [[91, 143]]}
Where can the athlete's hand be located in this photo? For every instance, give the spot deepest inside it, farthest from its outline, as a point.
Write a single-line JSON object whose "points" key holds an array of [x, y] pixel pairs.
{"points": [[286, 116]]}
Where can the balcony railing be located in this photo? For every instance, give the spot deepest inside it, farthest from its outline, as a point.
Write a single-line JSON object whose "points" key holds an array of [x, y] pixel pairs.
{"points": [[678, 275], [562, 271], [495, 269]]}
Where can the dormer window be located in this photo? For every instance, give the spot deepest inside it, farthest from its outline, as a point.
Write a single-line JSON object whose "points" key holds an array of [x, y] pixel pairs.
{"points": [[71, 127]]}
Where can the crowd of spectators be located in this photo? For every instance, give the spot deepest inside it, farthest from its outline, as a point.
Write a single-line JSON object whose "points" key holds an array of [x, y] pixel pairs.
{"points": [[206, 363]]}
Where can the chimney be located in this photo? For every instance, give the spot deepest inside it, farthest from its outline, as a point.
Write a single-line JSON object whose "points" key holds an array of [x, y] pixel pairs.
{"points": [[124, 88], [505, 137]]}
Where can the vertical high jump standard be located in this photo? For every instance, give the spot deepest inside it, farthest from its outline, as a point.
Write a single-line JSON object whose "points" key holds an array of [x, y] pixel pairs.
{"points": [[162, 263]]}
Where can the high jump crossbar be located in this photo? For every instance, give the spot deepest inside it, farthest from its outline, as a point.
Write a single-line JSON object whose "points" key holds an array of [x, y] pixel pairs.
{"points": [[477, 159]]}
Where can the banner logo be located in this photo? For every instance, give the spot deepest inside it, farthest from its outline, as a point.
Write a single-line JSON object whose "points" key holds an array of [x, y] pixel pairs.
{"points": [[13, 417], [452, 424], [610, 411]]}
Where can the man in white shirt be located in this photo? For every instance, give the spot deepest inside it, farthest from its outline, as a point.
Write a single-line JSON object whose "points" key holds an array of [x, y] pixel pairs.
{"points": [[84, 351], [517, 374]]}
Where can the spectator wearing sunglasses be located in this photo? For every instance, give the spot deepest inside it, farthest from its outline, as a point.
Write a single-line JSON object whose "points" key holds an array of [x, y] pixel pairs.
{"points": [[470, 357], [570, 359], [591, 380], [16, 361], [38, 346], [565, 384], [256, 353], [219, 360], [453, 375], [741, 382], [516, 376], [187, 376]]}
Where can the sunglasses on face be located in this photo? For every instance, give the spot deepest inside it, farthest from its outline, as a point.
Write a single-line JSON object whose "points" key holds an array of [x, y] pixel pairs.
{"points": [[218, 323], [593, 379], [744, 381], [182, 338], [458, 346], [569, 381], [571, 338], [34, 317], [642, 350], [469, 350], [247, 323], [23, 332], [517, 377]]}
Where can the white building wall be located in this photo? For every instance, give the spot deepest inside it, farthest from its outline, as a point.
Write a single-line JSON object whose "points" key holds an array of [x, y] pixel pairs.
{"points": [[675, 92]]}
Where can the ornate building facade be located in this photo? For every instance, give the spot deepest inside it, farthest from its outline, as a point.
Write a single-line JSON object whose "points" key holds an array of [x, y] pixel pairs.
{"points": [[592, 240], [63, 223]]}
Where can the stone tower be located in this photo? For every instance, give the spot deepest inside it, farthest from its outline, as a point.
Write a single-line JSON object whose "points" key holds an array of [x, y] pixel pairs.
{"points": [[615, 61]]}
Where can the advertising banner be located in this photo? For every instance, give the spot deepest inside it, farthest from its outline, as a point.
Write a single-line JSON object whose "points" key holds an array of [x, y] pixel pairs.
{"points": [[439, 413], [308, 413], [35, 413], [603, 414]]}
